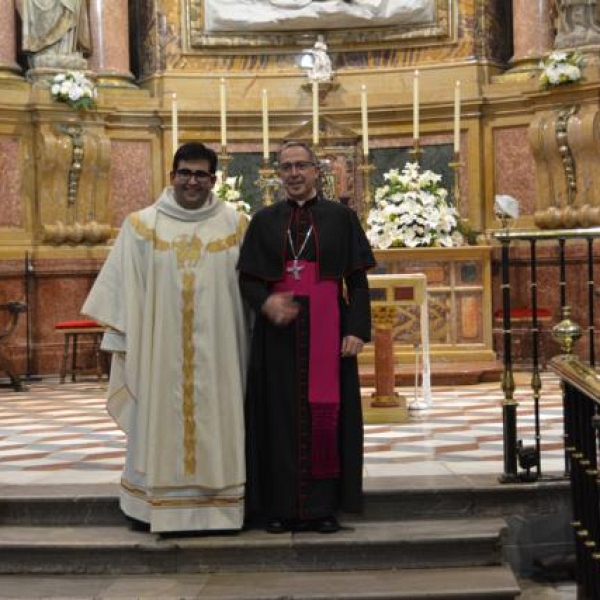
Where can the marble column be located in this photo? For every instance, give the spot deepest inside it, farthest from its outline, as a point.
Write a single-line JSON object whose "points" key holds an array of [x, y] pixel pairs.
{"points": [[109, 22], [8, 40], [532, 33]]}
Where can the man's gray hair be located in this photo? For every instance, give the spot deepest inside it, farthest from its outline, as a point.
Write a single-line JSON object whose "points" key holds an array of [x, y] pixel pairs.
{"points": [[298, 144]]}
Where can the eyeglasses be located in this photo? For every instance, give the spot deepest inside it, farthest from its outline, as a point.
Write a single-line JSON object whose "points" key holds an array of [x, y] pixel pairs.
{"points": [[300, 166], [186, 174]]}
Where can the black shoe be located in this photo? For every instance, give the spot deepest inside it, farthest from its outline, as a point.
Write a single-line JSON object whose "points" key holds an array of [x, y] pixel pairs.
{"points": [[276, 526], [136, 525], [300, 525], [327, 525]]}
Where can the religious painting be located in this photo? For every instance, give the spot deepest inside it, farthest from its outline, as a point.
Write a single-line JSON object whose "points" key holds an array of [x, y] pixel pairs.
{"points": [[235, 24]]}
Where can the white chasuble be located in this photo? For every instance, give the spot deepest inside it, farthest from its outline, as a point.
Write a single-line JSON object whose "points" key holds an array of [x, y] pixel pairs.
{"points": [[169, 294]]}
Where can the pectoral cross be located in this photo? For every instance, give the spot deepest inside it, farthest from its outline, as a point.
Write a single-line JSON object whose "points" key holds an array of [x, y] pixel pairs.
{"points": [[295, 269]]}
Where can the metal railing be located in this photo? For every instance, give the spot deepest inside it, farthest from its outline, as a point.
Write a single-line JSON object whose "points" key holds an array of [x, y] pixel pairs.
{"points": [[512, 450], [581, 399]]}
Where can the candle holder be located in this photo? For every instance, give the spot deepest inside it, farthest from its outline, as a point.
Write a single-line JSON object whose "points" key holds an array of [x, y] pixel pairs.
{"points": [[417, 150], [365, 170], [268, 182], [224, 160], [455, 166]]}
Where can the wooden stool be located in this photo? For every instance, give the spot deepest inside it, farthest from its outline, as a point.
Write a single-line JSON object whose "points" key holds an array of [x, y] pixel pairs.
{"points": [[521, 320], [72, 330]]}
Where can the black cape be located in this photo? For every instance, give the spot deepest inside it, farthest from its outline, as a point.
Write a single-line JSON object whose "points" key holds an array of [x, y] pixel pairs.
{"points": [[279, 484]]}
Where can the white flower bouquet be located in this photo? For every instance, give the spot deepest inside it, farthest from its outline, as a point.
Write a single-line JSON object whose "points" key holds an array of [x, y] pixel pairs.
{"points": [[229, 190], [74, 89], [560, 68], [411, 210]]}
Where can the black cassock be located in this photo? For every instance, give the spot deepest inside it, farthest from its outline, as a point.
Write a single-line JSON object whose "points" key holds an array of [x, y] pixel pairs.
{"points": [[280, 483]]}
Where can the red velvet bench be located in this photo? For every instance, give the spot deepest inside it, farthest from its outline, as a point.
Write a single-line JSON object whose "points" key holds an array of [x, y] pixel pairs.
{"points": [[72, 330]]}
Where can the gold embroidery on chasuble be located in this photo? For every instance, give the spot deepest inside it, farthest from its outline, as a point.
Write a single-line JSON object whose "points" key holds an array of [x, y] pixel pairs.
{"points": [[195, 501], [188, 251]]}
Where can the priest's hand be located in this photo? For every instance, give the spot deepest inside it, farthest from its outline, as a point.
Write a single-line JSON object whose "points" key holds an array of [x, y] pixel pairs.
{"points": [[351, 345], [280, 308]]}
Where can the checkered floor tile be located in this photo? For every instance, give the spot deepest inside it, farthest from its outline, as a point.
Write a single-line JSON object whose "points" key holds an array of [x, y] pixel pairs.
{"points": [[62, 433]]}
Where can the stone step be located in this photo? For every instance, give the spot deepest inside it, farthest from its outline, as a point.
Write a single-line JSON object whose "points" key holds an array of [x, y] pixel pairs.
{"points": [[385, 500], [479, 583], [360, 545], [462, 496]]}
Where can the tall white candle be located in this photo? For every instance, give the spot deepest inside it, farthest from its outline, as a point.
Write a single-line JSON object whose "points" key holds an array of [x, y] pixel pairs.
{"points": [[457, 117], [315, 106], [364, 119], [174, 123], [223, 98], [416, 105], [265, 124]]}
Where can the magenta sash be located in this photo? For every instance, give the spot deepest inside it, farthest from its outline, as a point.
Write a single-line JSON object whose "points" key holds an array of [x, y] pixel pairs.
{"points": [[323, 364]]}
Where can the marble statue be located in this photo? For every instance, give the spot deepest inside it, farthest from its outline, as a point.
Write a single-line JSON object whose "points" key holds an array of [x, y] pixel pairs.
{"points": [[55, 33], [320, 69], [291, 15], [577, 25]]}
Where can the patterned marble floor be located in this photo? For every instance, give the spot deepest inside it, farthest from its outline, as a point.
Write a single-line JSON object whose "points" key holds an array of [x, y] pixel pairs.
{"points": [[61, 434]]}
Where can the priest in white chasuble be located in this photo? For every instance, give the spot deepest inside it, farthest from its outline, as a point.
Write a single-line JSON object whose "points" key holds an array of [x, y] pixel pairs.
{"points": [[169, 295]]}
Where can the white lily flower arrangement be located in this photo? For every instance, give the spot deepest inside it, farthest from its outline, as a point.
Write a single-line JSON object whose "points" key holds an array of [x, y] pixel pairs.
{"points": [[412, 210], [75, 89], [228, 189], [559, 68]]}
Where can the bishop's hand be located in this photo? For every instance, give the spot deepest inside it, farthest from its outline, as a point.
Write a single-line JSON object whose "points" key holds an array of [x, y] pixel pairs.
{"points": [[280, 308]]}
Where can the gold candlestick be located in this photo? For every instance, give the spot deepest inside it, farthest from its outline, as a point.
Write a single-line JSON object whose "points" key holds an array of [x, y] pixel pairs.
{"points": [[455, 166], [224, 160], [366, 169], [268, 182], [417, 150]]}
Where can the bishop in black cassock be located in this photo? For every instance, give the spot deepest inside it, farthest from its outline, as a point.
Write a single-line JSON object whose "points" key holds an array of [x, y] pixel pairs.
{"points": [[303, 270]]}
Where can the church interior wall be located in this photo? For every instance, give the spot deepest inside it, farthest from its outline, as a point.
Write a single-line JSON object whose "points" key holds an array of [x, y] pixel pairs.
{"points": [[126, 140]]}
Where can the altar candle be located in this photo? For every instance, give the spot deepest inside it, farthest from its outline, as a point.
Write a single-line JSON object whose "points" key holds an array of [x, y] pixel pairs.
{"points": [[223, 97], [174, 123], [364, 118], [265, 124], [315, 98], [416, 105], [457, 117]]}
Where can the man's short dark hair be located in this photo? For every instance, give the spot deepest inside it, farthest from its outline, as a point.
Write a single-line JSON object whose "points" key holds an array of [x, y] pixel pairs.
{"points": [[196, 151]]}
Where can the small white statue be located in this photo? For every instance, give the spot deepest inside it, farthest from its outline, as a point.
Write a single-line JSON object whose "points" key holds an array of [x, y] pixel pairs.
{"points": [[321, 69]]}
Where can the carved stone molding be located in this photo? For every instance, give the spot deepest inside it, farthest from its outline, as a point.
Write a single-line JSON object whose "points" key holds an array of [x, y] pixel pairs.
{"points": [[565, 143], [73, 158], [79, 233]]}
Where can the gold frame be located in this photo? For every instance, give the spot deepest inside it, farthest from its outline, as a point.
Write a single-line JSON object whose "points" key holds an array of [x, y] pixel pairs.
{"points": [[441, 30]]}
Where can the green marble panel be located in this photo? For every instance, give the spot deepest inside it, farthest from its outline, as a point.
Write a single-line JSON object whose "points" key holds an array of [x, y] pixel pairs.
{"points": [[247, 165]]}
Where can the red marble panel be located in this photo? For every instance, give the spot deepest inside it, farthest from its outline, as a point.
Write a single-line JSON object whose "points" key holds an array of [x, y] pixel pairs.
{"points": [[130, 178], [515, 166], [55, 290], [11, 214], [470, 318], [8, 27]]}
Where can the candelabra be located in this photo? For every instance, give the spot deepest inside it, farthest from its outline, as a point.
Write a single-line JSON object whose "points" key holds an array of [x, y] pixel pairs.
{"points": [[455, 166], [224, 160], [416, 151], [365, 170], [268, 182]]}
